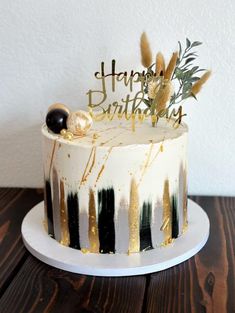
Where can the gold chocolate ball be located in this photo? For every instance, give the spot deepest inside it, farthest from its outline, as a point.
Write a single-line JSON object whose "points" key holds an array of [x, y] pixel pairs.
{"points": [[63, 132], [79, 122], [60, 106]]}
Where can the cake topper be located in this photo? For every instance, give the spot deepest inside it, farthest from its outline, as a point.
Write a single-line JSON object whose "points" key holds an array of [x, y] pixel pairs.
{"points": [[161, 91], [162, 88]]}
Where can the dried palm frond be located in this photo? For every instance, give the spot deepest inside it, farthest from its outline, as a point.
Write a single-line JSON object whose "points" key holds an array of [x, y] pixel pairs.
{"points": [[146, 54], [171, 66], [198, 85], [160, 64]]}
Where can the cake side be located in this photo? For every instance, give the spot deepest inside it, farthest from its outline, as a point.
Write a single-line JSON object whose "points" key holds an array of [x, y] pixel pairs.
{"points": [[114, 190]]}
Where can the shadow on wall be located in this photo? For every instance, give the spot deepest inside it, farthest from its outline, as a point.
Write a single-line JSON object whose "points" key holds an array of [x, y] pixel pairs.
{"points": [[21, 158]]}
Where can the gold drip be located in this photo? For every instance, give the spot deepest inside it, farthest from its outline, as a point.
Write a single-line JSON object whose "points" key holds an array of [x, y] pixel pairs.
{"points": [[167, 218], [93, 228], [134, 227], [65, 240]]}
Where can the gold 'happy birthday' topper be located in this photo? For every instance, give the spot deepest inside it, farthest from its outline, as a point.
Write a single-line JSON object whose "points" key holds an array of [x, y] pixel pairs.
{"points": [[156, 94]]}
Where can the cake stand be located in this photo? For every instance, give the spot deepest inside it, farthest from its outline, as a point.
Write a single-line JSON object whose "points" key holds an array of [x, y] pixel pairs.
{"points": [[49, 251]]}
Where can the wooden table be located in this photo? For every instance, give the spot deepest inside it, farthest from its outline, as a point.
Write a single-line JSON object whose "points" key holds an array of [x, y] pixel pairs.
{"points": [[203, 284]]}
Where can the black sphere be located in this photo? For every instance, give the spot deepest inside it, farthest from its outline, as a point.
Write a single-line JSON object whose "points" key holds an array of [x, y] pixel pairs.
{"points": [[56, 120]]}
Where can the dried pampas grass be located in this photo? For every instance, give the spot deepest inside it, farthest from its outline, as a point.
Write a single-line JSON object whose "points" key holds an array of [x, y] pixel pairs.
{"points": [[160, 64], [198, 85], [163, 96], [146, 54], [171, 66]]}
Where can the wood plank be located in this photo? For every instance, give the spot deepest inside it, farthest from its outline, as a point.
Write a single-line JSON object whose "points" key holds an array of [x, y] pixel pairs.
{"points": [[40, 288], [205, 283], [14, 204]]}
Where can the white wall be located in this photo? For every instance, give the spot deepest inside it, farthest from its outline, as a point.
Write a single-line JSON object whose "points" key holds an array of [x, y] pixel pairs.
{"points": [[49, 51]]}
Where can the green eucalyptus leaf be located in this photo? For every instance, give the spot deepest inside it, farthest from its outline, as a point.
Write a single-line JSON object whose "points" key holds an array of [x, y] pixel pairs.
{"points": [[179, 73], [189, 60], [193, 79], [190, 54], [196, 43], [180, 49], [188, 43]]}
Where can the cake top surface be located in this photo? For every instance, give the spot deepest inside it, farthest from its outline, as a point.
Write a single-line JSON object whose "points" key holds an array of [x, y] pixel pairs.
{"points": [[120, 133]]}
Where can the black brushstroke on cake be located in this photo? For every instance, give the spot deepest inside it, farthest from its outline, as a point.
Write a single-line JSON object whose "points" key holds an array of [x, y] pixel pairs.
{"points": [[106, 208], [145, 227], [73, 221], [175, 218], [48, 200]]}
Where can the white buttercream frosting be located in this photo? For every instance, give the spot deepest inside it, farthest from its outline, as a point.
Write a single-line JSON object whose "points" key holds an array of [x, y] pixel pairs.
{"points": [[111, 155]]}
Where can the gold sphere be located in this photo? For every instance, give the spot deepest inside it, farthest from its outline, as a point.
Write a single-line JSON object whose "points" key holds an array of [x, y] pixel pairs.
{"points": [[63, 132], [68, 136], [59, 106], [79, 122]]}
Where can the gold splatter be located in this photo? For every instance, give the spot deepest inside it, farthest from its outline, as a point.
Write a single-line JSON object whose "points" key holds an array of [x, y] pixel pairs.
{"points": [[134, 239], [103, 165], [160, 150], [146, 163], [93, 228], [86, 172]]}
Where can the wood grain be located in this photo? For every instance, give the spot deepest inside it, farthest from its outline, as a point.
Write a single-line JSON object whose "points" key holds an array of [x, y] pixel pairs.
{"points": [[41, 288], [14, 204], [205, 283]]}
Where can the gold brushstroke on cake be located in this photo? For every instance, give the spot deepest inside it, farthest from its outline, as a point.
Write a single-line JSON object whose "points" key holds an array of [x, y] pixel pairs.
{"points": [[65, 240], [185, 200], [93, 227], [103, 165], [134, 227], [85, 251], [87, 172], [167, 218]]}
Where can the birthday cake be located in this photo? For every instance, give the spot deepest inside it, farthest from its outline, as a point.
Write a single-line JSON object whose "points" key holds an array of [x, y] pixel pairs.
{"points": [[117, 183]]}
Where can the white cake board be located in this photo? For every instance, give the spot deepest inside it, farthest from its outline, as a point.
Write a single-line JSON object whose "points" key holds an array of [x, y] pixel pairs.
{"points": [[51, 252]]}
